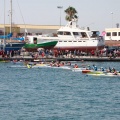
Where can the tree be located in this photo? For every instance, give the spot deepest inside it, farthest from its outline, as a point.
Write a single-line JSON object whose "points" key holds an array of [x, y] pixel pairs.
{"points": [[71, 13]]}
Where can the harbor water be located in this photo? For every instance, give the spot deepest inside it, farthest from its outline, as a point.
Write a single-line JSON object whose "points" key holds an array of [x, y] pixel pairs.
{"points": [[58, 94]]}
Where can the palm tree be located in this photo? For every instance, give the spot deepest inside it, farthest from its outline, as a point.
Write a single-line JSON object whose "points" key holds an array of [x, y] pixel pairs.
{"points": [[71, 13]]}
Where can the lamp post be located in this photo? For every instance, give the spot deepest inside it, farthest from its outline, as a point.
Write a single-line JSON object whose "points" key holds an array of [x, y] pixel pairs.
{"points": [[60, 7], [112, 18]]}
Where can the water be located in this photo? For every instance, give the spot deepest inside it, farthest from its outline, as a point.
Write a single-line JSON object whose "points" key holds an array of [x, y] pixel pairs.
{"points": [[58, 94]]}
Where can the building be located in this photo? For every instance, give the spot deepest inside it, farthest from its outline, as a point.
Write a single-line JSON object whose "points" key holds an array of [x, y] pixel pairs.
{"points": [[21, 28], [112, 36]]}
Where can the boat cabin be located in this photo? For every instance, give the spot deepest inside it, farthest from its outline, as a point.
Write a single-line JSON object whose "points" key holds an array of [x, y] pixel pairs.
{"points": [[81, 34], [66, 33], [31, 39], [72, 30]]}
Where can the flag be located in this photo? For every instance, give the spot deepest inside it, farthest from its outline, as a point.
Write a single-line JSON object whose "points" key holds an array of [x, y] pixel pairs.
{"points": [[103, 33]]}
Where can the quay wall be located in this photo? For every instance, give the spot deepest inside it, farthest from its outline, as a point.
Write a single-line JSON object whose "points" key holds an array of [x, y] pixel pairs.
{"points": [[82, 59]]}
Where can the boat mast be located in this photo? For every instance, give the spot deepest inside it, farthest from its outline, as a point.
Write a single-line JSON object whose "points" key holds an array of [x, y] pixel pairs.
{"points": [[10, 16], [4, 42]]}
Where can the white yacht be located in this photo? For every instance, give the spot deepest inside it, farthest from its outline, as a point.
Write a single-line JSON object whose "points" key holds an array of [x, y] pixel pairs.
{"points": [[71, 37]]}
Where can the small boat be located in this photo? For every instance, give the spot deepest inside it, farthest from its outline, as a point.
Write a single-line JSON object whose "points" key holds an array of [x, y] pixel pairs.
{"points": [[78, 69], [87, 71]]}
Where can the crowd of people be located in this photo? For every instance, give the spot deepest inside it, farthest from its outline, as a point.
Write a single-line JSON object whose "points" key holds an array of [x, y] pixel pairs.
{"points": [[62, 53], [9, 54]]}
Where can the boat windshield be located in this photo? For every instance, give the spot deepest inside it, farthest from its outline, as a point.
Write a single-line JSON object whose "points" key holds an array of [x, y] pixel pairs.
{"points": [[76, 33], [94, 34], [83, 34], [60, 33], [64, 33]]}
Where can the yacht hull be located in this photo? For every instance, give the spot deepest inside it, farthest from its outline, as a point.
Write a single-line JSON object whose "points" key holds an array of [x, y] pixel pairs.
{"points": [[81, 48]]}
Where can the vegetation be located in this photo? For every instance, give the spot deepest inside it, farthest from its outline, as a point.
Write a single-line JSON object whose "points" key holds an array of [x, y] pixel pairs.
{"points": [[71, 13]]}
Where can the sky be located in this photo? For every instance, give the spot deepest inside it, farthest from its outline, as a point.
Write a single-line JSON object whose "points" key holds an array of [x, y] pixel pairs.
{"points": [[95, 14]]}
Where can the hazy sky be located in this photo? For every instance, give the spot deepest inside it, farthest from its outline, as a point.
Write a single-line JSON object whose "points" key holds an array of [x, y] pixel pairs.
{"points": [[96, 14]]}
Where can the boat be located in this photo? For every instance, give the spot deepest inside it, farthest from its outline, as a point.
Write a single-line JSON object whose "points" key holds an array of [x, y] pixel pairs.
{"points": [[71, 37], [87, 71], [104, 75], [93, 71], [34, 44], [8, 42], [12, 45], [78, 69], [112, 36]]}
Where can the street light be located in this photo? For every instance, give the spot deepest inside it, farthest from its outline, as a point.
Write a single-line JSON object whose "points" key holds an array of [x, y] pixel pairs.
{"points": [[112, 18], [60, 7]]}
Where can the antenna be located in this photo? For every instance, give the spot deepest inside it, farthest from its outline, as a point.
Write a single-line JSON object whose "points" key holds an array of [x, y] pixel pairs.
{"points": [[117, 25]]}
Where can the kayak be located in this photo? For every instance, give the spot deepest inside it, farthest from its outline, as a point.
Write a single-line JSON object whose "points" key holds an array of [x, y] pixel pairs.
{"points": [[17, 66], [112, 74], [92, 71], [78, 69], [96, 72], [87, 71], [60, 67], [39, 65], [104, 75]]}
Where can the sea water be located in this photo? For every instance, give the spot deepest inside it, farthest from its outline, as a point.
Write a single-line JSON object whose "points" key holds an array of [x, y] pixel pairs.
{"points": [[58, 94]]}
